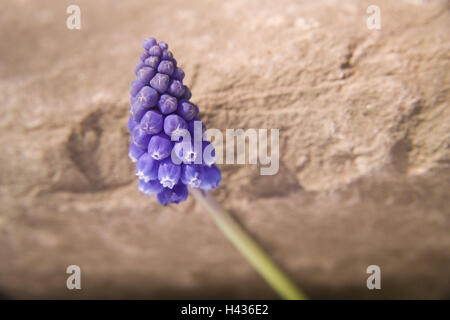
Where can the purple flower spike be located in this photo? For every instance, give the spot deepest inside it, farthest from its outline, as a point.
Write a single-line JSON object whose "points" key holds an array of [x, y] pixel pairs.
{"points": [[165, 196], [192, 174], [138, 66], [187, 110], [152, 122], [152, 62], [140, 138], [174, 124], [135, 152], [166, 67], [160, 146], [211, 178], [169, 173], [146, 98], [137, 112], [186, 152], [155, 51], [167, 104], [132, 124], [148, 43], [178, 74], [178, 194], [163, 45], [150, 188], [176, 88], [160, 82], [187, 93], [167, 55], [144, 55], [147, 168], [136, 85], [144, 74], [166, 167]]}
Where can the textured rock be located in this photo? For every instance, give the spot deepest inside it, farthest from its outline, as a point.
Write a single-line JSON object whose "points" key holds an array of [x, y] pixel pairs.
{"points": [[364, 121]]}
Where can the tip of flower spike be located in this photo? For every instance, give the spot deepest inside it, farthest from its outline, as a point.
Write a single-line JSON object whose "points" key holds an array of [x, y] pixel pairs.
{"points": [[148, 43], [155, 51], [160, 108]]}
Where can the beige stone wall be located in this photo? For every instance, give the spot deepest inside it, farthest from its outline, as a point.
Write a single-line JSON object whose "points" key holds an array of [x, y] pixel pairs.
{"points": [[364, 121]]}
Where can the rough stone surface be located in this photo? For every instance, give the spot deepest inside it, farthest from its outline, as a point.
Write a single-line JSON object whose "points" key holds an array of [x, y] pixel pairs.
{"points": [[364, 121]]}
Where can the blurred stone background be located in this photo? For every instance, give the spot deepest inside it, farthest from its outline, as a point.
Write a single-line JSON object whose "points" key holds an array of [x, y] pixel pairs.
{"points": [[364, 121]]}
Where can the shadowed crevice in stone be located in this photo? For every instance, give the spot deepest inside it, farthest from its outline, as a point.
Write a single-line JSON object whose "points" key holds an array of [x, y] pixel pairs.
{"points": [[82, 146]]}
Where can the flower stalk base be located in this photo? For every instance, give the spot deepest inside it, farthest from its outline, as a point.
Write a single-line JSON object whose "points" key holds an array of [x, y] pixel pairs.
{"points": [[248, 247]]}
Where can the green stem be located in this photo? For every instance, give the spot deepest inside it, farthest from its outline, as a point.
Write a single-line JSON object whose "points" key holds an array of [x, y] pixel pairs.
{"points": [[266, 267]]}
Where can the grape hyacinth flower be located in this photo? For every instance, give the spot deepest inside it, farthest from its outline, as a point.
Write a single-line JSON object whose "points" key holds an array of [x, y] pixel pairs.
{"points": [[160, 114], [173, 159]]}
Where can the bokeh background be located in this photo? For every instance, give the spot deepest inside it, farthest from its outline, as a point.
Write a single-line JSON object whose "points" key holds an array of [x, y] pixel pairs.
{"points": [[364, 121]]}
